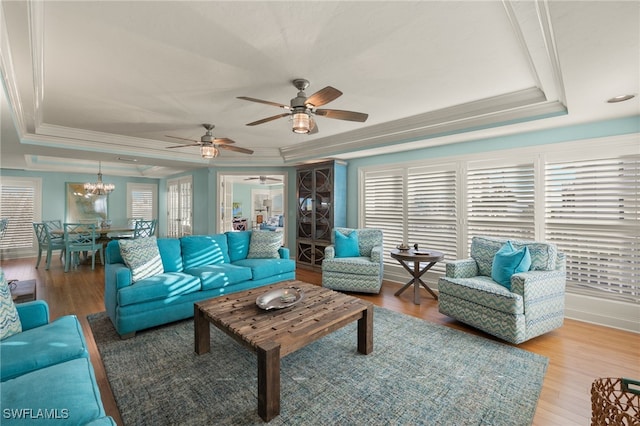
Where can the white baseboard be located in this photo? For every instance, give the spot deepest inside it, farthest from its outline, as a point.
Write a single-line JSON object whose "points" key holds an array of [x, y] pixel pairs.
{"points": [[608, 313]]}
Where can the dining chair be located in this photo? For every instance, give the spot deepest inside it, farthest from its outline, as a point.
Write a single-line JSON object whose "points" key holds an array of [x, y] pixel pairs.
{"points": [[47, 242], [145, 228], [81, 237], [54, 227]]}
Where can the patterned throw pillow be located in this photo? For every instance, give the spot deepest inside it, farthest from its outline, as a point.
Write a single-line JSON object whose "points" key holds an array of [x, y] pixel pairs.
{"points": [[265, 245], [142, 256], [9, 320]]}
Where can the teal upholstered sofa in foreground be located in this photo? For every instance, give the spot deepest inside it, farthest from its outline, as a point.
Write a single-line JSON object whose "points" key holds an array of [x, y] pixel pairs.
{"points": [[46, 374], [526, 304], [190, 269]]}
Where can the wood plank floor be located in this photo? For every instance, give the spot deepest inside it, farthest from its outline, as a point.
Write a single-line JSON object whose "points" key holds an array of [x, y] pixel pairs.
{"points": [[578, 352]]}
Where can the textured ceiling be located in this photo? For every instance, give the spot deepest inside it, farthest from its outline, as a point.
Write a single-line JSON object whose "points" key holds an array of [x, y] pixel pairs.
{"points": [[108, 80]]}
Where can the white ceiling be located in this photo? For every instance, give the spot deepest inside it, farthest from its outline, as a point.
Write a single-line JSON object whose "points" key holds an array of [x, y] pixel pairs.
{"points": [[110, 79]]}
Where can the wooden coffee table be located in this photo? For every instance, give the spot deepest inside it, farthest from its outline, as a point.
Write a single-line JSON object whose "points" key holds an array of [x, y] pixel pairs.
{"points": [[274, 334]]}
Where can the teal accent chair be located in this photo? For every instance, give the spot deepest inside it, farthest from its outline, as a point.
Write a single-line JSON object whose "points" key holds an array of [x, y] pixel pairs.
{"points": [[46, 242], [533, 306], [361, 274], [81, 238]]}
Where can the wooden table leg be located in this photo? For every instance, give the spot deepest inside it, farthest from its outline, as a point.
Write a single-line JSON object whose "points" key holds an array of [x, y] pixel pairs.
{"points": [[268, 380], [365, 331], [416, 285], [201, 329], [416, 281]]}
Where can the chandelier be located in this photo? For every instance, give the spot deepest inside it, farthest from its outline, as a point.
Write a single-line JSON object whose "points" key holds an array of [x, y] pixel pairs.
{"points": [[99, 187]]}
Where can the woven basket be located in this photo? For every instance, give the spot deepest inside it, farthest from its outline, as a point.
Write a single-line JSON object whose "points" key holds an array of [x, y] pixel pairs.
{"points": [[615, 402]]}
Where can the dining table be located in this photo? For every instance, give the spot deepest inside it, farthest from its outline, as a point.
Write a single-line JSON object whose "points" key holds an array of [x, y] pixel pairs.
{"points": [[103, 232]]}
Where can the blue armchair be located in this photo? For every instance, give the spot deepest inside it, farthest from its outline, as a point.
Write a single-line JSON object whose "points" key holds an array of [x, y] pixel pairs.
{"points": [[534, 304], [360, 273]]}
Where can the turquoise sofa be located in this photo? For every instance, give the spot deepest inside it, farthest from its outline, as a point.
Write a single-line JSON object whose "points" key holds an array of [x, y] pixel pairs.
{"points": [[196, 268], [46, 376]]}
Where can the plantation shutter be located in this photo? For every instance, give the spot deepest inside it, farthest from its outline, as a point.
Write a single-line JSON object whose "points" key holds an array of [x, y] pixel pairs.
{"points": [[431, 209], [142, 200], [384, 207], [500, 201], [18, 201], [593, 215]]}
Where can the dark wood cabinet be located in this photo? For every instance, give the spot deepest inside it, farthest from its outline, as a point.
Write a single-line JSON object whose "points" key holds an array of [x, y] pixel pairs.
{"points": [[322, 205]]}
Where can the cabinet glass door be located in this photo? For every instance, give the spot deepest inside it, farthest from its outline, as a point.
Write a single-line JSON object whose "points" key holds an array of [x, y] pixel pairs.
{"points": [[322, 205], [305, 204]]}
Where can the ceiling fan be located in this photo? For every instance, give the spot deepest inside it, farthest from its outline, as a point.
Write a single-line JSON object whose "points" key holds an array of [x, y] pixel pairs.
{"points": [[210, 145], [264, 179], [303, 108]]}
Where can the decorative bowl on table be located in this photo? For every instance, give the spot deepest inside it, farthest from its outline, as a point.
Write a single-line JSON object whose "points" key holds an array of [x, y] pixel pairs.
{"points": [[403, 247], [280, 299]]}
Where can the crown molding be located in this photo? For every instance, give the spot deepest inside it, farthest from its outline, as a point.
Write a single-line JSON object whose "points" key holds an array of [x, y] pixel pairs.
{"points": [[505, 109]]}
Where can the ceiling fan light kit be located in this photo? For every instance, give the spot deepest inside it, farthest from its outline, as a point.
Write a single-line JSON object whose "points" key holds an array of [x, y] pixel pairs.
{"points": [[301, 123], [209, 151]]}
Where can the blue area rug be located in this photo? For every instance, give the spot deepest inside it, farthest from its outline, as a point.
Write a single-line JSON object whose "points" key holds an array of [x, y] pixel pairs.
{"points": [[418, 373]]}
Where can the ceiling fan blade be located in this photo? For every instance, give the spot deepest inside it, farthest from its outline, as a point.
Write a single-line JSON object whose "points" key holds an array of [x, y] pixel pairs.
{"points": [[236, 149], [246, 98], [223, 141], [343, 115], [182, 139], [323, 96], [266, 120], [182, 146]]}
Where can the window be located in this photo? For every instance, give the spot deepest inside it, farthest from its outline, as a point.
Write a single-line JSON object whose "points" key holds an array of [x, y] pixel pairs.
{"points": [[432, 208], [142, 200], [20, 204], [500, 201], [179, 207], [593, 213], [573, 195], [384, 206]]}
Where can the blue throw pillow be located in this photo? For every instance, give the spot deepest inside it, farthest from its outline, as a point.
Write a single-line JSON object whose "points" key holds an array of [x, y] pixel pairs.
{"points": [[508, 261], [347, 245]]}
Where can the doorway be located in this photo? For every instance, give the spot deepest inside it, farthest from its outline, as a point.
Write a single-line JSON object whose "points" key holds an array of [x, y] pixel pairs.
{"points": [[252, 201]]}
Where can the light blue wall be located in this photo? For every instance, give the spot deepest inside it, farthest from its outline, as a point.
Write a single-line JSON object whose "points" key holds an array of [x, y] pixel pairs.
{"points": [[599, 129], [54, 191]]}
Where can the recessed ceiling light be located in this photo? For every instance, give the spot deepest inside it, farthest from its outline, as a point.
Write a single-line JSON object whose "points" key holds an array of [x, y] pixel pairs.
{"points": [[620, 98]]}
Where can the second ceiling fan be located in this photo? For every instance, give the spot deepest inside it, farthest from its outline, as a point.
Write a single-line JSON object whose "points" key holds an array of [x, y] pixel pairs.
{"points": [[303, 108], [210, 145]]}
